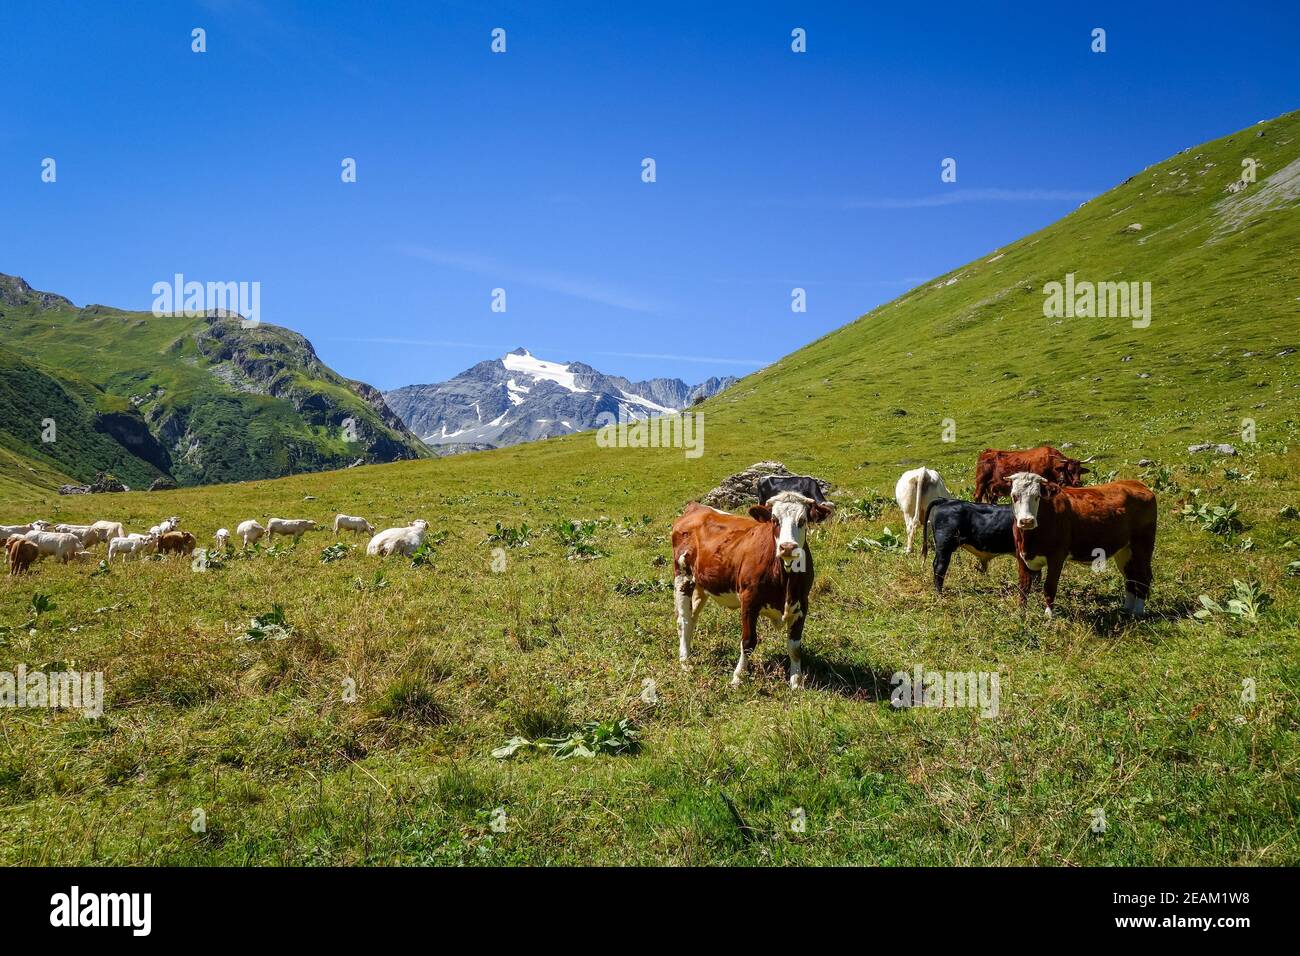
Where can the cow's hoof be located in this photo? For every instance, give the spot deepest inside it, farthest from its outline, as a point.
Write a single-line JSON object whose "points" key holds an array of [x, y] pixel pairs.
{"points": [[798, 681], [1047, 613]]}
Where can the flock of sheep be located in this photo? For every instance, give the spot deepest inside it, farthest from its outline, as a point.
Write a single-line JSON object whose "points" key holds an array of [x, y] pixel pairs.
{"points": [[27, 543]]}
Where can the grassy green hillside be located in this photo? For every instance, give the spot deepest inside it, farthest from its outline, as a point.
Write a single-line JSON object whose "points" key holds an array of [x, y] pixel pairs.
{"points": [[32, 396], [201, 400], [1148, 722]]}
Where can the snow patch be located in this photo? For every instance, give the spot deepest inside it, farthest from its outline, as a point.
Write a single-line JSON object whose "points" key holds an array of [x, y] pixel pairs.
{"points": [[647, 403], [528, 364]]}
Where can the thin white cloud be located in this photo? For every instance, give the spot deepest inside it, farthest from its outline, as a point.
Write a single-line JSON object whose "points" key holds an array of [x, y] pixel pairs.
{"points": [[575, 287], [428, 343], [701, 359], [957, 196]]}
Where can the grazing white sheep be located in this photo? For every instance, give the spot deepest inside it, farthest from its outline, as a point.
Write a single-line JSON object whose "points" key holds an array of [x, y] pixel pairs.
{"points": [[222, 538], [399, 540], [352, 523], [293, 527], [915, 492], [129, 544], [61, 544], [250, 532]]}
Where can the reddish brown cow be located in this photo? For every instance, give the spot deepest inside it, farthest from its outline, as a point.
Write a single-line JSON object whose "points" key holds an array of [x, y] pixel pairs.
{"points": [[21, 554], [994, 468], [760, 564], [1113, 523], [182, 542]]}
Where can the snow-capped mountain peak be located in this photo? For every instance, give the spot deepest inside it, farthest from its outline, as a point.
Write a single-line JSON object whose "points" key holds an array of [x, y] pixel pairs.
{"points": [[520, 397]]}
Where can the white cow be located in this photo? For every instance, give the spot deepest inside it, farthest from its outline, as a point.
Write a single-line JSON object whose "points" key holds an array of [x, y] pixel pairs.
{"points": [[8, 531], [250, 532], [293, 527], [106, 531], [399, 540], [62, 545], [222, 538], [129, 544], [352, 524], [915, 492]]}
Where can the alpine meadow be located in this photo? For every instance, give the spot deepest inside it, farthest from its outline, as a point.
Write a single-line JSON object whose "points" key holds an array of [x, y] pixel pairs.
{"points": [[511, 693]]}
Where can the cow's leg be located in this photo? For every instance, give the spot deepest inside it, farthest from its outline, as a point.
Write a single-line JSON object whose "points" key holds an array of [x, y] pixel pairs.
{"points": [[1138, 576], [942, 557], [911, 532], [794, 618], [1122, 560], [1054, 566], [749, 610], [1025, 580], [687, 612]]}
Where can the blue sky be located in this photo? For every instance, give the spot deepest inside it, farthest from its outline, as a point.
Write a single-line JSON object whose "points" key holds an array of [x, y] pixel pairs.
{"points": [[523, 170]]}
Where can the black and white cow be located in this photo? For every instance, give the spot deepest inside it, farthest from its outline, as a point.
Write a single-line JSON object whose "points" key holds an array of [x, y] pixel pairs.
{"points": [[769, 486], [982, 530]]}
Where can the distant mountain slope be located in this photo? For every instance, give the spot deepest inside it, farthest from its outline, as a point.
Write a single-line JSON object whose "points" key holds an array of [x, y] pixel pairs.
{"points": [[520, 397], [199, 399]]}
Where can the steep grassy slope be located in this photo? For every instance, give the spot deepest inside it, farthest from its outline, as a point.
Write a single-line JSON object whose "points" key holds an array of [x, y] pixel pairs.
{"points": [[200, 399], [1146, 722], [40, 402]]}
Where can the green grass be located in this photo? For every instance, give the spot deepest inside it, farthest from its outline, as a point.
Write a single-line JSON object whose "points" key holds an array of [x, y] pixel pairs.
{"points": [[1144, 720]]}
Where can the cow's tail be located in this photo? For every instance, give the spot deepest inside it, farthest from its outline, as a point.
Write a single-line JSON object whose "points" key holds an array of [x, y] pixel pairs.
{"points": [[925, 531], [922, 485]]}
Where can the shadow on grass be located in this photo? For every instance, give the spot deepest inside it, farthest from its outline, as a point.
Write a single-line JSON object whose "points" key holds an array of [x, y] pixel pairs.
{"points": [[1108, 618], [848, 680], [822, 674]]}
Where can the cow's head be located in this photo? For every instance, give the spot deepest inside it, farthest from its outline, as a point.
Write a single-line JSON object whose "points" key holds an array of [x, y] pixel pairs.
{"points": [[419, 523], [40, 524], [789, 512], [1027, 491], [1068, 472]]}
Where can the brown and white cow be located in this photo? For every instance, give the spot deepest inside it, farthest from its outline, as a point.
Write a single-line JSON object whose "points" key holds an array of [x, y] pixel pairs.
{"points": [[995, 467], [760, 564], [1114, 523]]}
